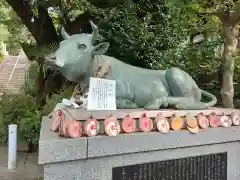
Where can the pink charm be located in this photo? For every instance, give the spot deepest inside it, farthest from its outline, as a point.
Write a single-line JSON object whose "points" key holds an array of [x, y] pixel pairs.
{"points": [[235, 119], [145, 123], [203, 121], [213, 120], [91, 127], [74, 129], [112, 126], [128, 124], [225, 121]]}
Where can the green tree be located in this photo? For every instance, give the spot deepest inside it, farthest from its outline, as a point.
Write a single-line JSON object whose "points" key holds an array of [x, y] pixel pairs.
{"points": [[228, 16], [12, 32]]}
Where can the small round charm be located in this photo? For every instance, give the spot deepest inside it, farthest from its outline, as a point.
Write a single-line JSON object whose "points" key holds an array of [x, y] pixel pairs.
{"points": [[193, 130], [162, 124], [177, 123], [112, 126], [225, 121], [145, 123], [191, 121], [128, 124], [74, 129], [91, 127], [203, 121], [213, 120], [235, 119]]}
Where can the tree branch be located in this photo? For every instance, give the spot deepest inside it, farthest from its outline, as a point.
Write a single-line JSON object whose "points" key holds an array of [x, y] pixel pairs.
{"points": [[235, 14], [41, 27]]}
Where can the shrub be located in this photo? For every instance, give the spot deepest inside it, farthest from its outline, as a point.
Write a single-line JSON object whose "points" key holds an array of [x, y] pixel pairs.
{"points": [[29, 86], [21, 110], [56, 98]]}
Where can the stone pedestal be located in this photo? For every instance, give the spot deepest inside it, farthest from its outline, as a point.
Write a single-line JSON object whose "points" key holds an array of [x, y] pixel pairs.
{"points": [[98, 158]]}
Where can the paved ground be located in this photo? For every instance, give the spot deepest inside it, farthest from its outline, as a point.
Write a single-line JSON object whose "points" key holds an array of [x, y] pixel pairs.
{"points": [[28, 171]]}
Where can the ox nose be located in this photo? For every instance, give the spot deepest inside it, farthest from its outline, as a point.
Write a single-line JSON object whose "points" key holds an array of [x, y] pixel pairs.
{"points": [[60, 63]]}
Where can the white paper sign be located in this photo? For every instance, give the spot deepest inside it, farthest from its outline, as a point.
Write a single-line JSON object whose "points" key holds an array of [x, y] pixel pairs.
{"points": [[102, 94]]}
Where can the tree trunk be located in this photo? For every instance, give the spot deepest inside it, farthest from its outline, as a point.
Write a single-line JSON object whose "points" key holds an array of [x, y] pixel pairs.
{"points": [[227, 91], [41, 27], [43, 31]]}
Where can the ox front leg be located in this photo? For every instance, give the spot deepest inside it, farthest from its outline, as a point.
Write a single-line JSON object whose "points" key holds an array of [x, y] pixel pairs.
{"points": [[122, 103]]}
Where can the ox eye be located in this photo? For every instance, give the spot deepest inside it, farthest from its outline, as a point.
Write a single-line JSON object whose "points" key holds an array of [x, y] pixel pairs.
{"points": [[82, 46]]}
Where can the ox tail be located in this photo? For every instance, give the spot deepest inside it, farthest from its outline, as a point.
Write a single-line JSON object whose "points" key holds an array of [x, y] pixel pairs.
{"points": [[213, 99]]}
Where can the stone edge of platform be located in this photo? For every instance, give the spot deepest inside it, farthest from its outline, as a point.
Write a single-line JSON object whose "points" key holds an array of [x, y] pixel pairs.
{"points": [[53, 148]]}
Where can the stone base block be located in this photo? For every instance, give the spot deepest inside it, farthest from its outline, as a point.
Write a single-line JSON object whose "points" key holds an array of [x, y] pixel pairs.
{"points": [[211, 154]]}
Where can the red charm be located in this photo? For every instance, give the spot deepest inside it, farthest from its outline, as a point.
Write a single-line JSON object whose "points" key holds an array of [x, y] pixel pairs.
{"points": [[60, 113], [91, 127], [112, 126], [128, 124], [145, 123], [213, 120], [56, 118], [203, 121], [162, 123]]}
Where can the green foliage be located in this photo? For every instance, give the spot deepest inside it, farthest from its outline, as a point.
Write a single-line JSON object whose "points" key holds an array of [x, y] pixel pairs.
{"points": [[56, 98], [12, 31], [153, 35], [141, 33], [30, 80], [21, 110]]}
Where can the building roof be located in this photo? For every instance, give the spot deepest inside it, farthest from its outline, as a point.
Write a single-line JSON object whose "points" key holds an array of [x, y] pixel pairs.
{"points": [[12, 73]]}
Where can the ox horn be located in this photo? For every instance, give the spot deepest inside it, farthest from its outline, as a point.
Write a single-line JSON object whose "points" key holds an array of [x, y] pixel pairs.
{"points": [[64, 33], [94, 32]]}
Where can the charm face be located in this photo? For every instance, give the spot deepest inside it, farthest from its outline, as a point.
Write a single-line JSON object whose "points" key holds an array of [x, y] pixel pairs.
{"points": [[145, 123], [128, 124], [225, 121], [91, 127], [235, 119], [213, 120], [162, 124], [203, 121], [112, 126], [177, 123], [191, 121], [74, 129]]}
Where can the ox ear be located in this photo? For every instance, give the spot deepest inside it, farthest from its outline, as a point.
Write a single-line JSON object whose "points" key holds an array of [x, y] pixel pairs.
{"points": [[100, 48]]}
